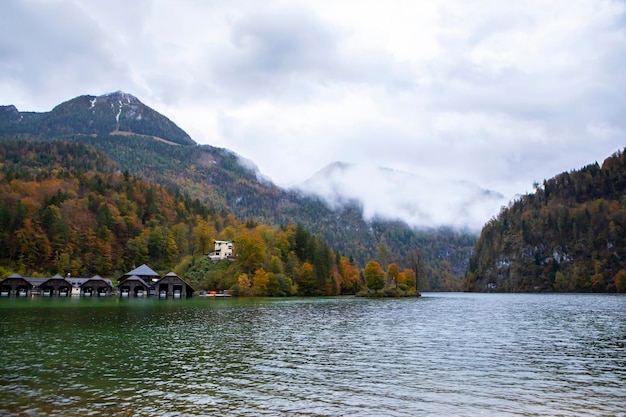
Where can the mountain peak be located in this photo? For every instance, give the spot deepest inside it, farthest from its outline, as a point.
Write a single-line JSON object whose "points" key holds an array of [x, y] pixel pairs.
{"points": [[120, 96], [116, 113], [9, 112]]}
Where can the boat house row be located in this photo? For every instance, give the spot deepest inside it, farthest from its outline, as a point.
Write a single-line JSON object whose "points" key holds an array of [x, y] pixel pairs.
{"points": [[140, 282], [18, 285]]}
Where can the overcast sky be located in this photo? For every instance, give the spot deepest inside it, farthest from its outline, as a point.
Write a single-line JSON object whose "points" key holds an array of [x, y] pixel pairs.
{"points": [[497, 93]]}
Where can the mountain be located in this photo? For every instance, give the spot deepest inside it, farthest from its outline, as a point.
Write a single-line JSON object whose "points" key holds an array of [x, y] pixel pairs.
{"points": [[221, 179], [569, 235], [66, 208], [115, 113], [467, 204]]}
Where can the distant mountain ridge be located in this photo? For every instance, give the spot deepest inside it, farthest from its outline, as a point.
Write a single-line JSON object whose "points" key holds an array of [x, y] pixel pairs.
{"points": [[113, 113]]}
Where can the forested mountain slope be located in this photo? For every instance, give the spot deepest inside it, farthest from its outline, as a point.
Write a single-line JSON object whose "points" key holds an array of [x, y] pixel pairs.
{"points": [[220, 179], [66, 208], [570, 235], [216, 177]]}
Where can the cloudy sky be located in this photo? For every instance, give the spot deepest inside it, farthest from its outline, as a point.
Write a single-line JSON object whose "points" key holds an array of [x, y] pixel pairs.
{"points": [[496, 93]]}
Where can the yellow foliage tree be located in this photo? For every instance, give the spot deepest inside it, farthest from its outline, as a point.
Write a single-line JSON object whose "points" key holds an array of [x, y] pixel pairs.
{"points": [[243, 284], [374, 276], [260, 282], [306, 282], [203, 237], [251, 251], [392, 274], [350, 277], [409, 277]]}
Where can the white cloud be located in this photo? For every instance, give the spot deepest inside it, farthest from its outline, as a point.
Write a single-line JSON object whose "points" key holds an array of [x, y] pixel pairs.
{"points": [[497, 93], [396, 195]]}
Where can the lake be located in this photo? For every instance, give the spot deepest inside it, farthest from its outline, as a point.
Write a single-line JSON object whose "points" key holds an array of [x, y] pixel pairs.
{"points": [[442, 354]]}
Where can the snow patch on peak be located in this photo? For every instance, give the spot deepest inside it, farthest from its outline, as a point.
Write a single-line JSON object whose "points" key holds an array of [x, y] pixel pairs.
{"points": [[120, 96], [117, 116]]}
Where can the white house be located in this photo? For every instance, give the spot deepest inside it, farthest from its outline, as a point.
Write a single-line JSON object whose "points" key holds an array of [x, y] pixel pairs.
{"points": [[223, 250]]}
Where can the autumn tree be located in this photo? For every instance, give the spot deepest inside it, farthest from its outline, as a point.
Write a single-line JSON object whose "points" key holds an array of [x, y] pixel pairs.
{"points": [[243, 285], [392, 274], [251, 251], [374, 276], [350, 278], [203, 237], [260, 282], [306, 281]]}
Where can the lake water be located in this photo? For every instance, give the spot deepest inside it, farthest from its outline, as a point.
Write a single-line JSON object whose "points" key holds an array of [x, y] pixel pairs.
{"points": [[441, 354]]}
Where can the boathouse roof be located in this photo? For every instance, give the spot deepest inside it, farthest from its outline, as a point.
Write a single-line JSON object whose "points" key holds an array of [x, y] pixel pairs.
{"points": [[98, 281], [76, 282], [173, 276], [36, 282], [144, 270], [136, 278]]}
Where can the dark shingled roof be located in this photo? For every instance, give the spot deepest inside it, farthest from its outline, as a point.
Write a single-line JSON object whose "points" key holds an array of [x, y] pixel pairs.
{"points": [[136, 278], [144, 271]]}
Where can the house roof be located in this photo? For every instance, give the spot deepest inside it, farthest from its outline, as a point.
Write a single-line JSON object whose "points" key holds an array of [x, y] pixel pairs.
{"points": [[35, 282], [13, 277], [144, 271], [76, 282], [41, 281], [99, 279], [136, 278], [172, 274]]}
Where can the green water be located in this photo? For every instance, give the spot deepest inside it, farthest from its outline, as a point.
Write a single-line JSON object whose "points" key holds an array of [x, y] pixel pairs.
{"points": [[442, 354]]}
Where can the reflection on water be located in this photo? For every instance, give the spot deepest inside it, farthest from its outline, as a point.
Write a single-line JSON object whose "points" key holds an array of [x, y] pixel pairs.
{"points": [[442, 354]]}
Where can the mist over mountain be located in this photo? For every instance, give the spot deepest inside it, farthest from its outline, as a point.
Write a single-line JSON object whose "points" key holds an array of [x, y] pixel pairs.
{"points": [[396, 195]]}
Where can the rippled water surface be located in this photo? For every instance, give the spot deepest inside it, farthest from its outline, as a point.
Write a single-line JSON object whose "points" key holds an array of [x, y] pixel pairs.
{"points": [[442, 354]]}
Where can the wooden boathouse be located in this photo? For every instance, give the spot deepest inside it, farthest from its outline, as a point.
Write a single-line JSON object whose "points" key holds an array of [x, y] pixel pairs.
{"points": [[57, 285], [144, 282], [15, 284]]}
